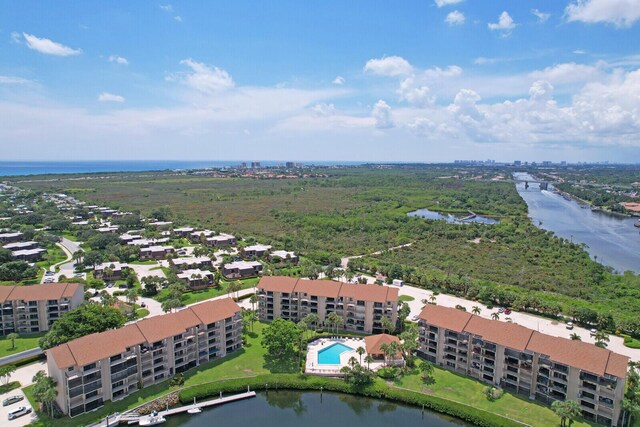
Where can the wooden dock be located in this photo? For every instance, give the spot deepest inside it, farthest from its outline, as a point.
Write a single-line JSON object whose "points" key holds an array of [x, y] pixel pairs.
{"points": [[218, 401]]}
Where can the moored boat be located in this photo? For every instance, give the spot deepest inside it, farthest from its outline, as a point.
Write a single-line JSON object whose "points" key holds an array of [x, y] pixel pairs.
{"points": [[194, 411]]}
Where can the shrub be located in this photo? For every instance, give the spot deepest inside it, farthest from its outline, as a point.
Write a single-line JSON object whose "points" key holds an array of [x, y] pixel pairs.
{"points": [[376, 390], [493, 393], [177, 380], [389, 372]]}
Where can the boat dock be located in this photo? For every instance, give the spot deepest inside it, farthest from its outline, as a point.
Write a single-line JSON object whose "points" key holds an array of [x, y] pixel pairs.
{"points": [[218, 401], [132, 418]]}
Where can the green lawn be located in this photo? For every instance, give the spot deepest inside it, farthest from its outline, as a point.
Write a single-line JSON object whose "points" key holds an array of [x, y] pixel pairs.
{"points": [[456, 387], [54, 255], [197, 296], [147, 262], [249, 361], [406, 298], [23, 343], [141, 312]]}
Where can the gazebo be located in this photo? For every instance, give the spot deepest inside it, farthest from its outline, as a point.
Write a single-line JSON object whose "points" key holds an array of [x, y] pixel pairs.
{"points": [[373, 344]]}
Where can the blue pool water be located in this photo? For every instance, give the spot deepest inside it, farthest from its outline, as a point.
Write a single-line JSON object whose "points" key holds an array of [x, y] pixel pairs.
{"points": [[331, 354]]}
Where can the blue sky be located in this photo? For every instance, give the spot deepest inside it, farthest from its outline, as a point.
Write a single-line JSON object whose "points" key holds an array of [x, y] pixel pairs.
{"points": [[430, 80]]}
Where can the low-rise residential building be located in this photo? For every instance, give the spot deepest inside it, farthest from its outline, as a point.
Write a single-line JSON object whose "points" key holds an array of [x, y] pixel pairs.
{"points": [[539, 366], [183, 231], [32, 309], [110, 270], [10, 237], [145, 243], [196, 279], [241, 269], [19, 246], [126, 238], [187, 263], [221, 239], [361, 307], [198, 236], [156, 252], [110, 365], [284, 256], [257, 251], [108, 229], [28, 254]]}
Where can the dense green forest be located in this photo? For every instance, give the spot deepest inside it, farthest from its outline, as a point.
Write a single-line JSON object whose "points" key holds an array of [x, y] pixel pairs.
{"points": [[353, 211]]}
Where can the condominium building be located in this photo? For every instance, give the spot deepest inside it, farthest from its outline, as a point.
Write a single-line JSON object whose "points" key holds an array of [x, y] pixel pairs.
{"points": [[33, 309], [241, 269], [113, 364], [361, 307], [539, 366]]}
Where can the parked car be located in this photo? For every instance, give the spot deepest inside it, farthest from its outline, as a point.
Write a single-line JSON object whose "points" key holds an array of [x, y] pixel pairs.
{"points": [[143, 305], [11, 400], [507, 311], [23, 410], [501, 310], [49, 273], [109, 284], [48, 280], [593, 332], [123, 286], [569, 325], [78, 275]]}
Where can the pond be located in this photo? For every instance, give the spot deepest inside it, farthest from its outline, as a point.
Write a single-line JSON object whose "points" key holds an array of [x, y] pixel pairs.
{"points": [[311, 409], [451, 219]]}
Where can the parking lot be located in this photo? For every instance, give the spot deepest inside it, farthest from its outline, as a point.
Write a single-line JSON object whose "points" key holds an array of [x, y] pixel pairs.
{"points": [[4, 410]]}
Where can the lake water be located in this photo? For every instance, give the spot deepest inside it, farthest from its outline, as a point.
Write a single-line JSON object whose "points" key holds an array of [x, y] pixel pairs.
{"points": [[427, 214], [611, 238], [309, 409]]}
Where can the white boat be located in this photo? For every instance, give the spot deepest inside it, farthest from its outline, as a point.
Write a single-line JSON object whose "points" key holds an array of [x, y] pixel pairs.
{"points": [[152, 420], [194, 411]]}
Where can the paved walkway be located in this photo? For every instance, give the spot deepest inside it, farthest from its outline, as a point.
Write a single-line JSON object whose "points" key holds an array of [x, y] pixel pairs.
{"points": [[541, 324]]}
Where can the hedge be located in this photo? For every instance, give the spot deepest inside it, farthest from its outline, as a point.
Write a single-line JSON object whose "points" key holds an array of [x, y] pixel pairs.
{"points": [[377, 390]]}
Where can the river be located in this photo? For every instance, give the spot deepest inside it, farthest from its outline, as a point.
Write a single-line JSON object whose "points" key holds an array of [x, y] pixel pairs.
{"points": [[310, 409], [611, 238]]}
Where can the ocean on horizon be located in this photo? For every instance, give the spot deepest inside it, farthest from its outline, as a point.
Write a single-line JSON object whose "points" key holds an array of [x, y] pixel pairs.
{"points": [[18, 168]]}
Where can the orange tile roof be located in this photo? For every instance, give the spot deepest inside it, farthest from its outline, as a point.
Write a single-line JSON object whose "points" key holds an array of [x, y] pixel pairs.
{"points": [[373, 343], [578, 354], [42, 292], [278, 283], [375, 293], [92, 348], [216, 310], [328, 288], [508, 334], [445, 317], [321, 288], [160, 327]]}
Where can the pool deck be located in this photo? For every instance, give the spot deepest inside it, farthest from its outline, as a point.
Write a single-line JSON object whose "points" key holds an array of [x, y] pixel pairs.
{"points": [[312, 367]]}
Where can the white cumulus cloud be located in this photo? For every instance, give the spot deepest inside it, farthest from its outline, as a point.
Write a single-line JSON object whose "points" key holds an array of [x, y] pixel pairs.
{"points": [[339, 80], [381, 113], [49, 47], [455, 18], [441, 3], [389, 66], [118, 60], [178, 18], [621, 13], [110, 97], [166, 7], [505, 23], [542, 16], [203, 78]]}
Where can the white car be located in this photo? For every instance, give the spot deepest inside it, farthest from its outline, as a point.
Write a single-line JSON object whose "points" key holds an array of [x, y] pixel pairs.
{"points": [[23, 410], [569, 325]]}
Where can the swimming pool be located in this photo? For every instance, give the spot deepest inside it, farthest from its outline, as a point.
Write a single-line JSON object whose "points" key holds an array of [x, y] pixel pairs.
{"points": [[331, 354]]}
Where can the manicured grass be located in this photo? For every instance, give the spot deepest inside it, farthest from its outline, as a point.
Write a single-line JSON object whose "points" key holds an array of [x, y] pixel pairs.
{"points": [[197, 296], [142, 312], [406, 298], [631, 342], [147, 262], [459, 388], [23, 343], [54, 255]]}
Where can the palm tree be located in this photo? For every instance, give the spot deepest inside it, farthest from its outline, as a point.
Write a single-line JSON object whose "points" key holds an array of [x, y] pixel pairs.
{"points": [[13, 337], [427, 369], [312, 319], [495, 315], [353, 361], [476, 310], [360, 351], [234, 287], [432, 298], [567, 410], [77, 256], [253, 300], [575, 337], [387, 325], [385, 350], [369, 360], [602, 338]]}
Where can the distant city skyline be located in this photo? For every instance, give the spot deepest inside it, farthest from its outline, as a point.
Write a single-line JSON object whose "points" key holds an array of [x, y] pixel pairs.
{"points": [[419, 81]]}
